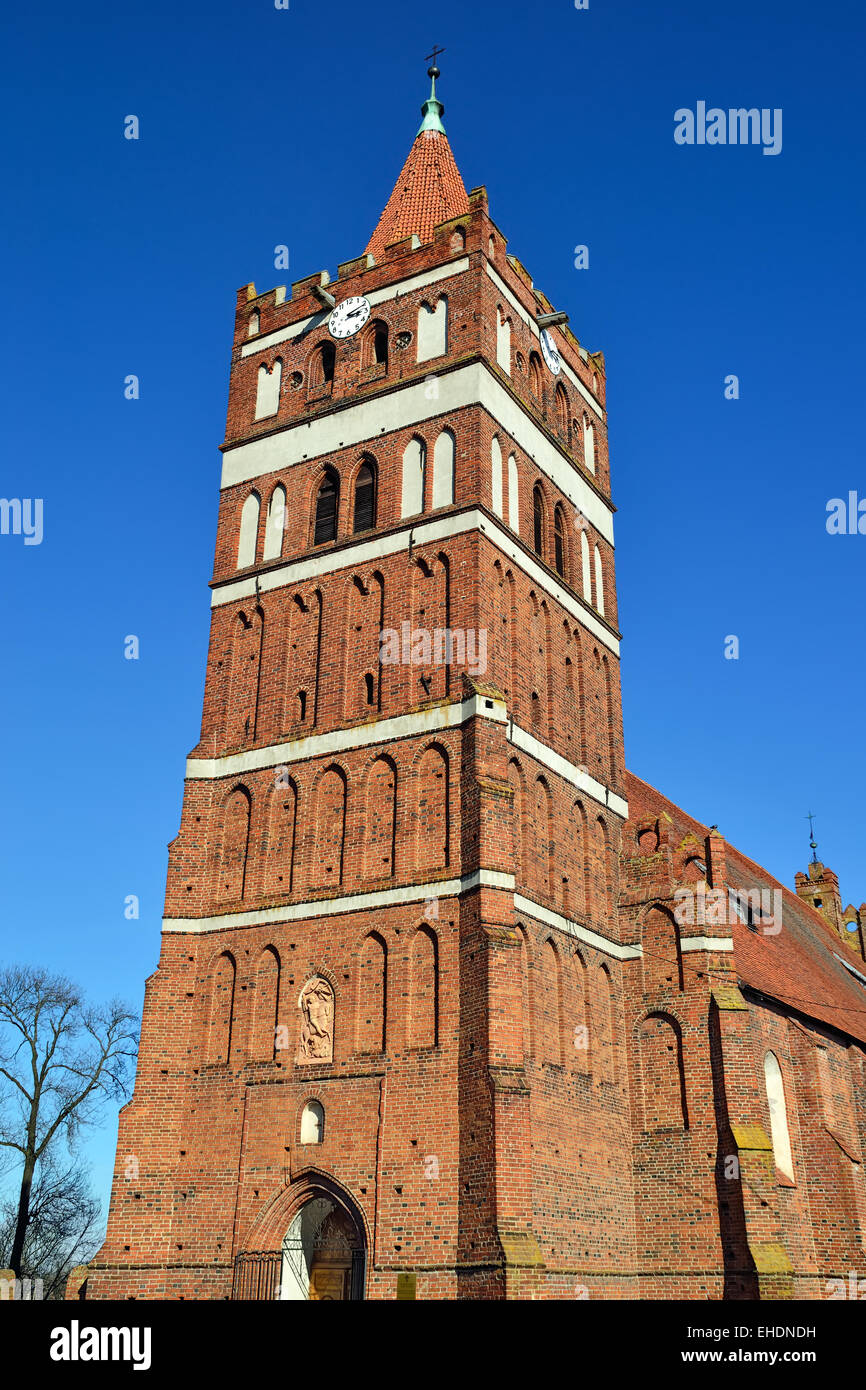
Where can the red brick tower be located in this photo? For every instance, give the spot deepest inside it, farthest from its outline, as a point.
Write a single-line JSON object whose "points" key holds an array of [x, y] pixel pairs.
{"points": [[390, 904]]}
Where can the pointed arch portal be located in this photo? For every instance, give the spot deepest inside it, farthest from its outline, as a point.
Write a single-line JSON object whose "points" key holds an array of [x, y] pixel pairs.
{"points": [[321, 1257]]}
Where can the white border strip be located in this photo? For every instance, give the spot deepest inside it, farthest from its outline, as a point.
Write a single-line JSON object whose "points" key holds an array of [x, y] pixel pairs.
{"points": [[706, 943], [530, 321], [342, 740], [395, 542], [403, 726], [405, 407], [380, 296], [353, 902], [525, 907], [571, 772]]}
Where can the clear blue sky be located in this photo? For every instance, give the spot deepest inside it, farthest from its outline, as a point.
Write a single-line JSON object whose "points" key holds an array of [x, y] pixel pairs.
{"points": [[261, 127]]}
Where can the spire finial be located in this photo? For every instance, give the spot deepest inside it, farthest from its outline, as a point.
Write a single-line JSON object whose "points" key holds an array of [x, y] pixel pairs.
{"points": [[812, 842], [432, 108]]}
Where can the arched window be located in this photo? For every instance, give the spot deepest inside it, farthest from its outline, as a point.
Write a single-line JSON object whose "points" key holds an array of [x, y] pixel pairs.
{"points": [[588, 445], [379, 343], [276, 524], [513, 495], [312, 1123], [535, 374], [249, 532], [365, 499], [537, 521], [432, 330], [503, 340], [562, 410], [414, 467], [369, 689], [323, 362], [253, 324], [599, 584], [584, 565], [443, 469], [327, 503], [268, 390], [496, 475], [778, 1116], [559, 542]]}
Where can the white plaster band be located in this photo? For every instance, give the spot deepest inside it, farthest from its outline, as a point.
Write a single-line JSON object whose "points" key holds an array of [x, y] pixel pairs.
{"points": [[352, 902], [525, 907], [423, 532]]}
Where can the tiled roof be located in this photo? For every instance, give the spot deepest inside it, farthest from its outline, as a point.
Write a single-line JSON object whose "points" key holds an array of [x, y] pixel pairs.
{"points": [[798, 966], [428, 191]]}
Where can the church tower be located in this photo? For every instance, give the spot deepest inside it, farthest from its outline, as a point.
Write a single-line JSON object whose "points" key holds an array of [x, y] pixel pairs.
{"points": [[390, 908]]}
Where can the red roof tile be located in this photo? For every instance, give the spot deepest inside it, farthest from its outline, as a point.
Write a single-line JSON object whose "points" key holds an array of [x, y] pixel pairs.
{"points": [[428, 191]]}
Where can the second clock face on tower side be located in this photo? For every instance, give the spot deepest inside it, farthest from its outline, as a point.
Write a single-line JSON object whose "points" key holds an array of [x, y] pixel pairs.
{"points": [[548, 352], [347, 317]]}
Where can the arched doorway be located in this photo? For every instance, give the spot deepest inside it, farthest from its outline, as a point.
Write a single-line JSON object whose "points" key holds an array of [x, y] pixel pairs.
{"points": [[323, 1254]]}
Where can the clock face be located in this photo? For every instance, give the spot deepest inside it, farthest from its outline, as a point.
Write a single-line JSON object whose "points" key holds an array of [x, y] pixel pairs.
{"points": [[548, 352], [349, 316]]}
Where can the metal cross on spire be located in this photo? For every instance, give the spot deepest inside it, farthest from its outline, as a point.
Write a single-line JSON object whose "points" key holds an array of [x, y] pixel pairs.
{"points": [[812, 842], [433, 108]]}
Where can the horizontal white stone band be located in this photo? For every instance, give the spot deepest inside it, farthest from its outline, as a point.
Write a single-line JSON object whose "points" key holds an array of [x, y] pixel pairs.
{"points": [[530, 321], [403, 408], [706, 943], [525, 907], [572, 773], [352, 902], [426, 721], [423, 532], [380, 296], [383, 731]]}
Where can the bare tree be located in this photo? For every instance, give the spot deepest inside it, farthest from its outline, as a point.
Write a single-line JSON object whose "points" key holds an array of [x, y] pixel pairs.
{"points": [[61, 1060], [64, 1228]]}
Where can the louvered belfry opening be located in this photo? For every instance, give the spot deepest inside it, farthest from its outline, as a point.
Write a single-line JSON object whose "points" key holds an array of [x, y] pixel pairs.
{"points": [[365, 499], [326, 510]]}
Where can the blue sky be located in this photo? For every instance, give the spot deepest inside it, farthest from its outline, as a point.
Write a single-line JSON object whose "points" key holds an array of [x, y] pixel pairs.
{"points": [[261, 127]]}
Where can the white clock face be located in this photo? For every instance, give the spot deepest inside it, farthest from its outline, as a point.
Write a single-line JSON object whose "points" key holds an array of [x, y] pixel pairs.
{"points": [[548, 352], [347, 317]]}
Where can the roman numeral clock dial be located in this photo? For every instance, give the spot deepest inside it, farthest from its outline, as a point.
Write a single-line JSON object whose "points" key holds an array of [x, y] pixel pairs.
{"points": [[349, 316]]}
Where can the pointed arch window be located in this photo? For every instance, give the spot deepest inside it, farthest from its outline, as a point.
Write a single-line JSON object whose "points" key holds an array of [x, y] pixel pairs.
{"points": [[559, 542], [599, 583], [535, 374], [323, 363], [249, 531], [589, 444], [779, 1133], [562, 410], [380, 343], [537, 521], [364, 518], [327, 503]]}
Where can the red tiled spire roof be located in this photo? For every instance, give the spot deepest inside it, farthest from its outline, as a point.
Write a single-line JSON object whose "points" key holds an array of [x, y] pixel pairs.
{"points": [[429, 189]]}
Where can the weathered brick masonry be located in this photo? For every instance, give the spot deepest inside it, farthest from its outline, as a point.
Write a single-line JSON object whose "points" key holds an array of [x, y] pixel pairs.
{"points": [[429, 1020]]}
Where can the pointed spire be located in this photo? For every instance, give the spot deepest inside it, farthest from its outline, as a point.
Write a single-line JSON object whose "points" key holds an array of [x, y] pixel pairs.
{"points": [[429, 189], [432, 109]]}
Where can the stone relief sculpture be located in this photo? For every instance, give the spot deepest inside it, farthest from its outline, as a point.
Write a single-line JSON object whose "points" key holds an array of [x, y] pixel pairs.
{"points": [[316, 1038]]}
